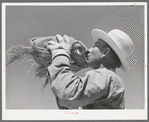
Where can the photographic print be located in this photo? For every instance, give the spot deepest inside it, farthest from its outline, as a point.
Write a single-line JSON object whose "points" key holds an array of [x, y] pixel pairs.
{"points": [[74, 61]]}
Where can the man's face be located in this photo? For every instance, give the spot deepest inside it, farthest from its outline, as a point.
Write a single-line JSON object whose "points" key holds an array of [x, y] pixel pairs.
{"points": [[93, 55]]}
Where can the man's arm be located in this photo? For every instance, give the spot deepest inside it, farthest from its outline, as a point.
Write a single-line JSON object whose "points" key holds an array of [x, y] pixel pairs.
{"points": [[75, 91]]}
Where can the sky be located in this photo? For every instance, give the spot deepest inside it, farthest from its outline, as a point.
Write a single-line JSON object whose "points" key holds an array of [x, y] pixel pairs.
{"points": [[23, 90]]}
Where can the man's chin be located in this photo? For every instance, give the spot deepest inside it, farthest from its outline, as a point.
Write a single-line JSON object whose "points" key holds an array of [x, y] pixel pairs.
{"points": [[92, 65], [101, 66]]}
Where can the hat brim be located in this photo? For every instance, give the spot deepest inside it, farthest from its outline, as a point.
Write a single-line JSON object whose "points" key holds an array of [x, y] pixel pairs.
{"points": [[99, 34]]}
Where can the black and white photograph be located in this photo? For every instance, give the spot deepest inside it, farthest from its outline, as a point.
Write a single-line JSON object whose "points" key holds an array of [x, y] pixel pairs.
{"points": [[74, 61]]}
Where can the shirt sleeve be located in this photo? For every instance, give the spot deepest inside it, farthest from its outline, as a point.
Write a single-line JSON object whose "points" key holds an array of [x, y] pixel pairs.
{"points": [[75, 91]]}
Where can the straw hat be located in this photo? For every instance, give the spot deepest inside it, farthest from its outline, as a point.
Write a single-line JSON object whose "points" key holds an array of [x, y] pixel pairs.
{"points": [[119, 41]]}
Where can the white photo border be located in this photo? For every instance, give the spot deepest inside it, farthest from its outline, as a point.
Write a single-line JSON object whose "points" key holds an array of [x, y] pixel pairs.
{"points": [[72, 114]]}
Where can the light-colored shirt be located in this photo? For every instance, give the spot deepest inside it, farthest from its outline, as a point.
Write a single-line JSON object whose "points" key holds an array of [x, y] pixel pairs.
{"points": [[98, 89]]}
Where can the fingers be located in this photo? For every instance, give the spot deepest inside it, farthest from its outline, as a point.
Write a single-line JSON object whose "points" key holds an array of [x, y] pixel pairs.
{"points": [[62, 43], [59, 38], [66, 38]]}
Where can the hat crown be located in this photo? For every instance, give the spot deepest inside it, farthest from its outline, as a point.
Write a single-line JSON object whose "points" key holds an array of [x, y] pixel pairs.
{"points": [[124, 42]]}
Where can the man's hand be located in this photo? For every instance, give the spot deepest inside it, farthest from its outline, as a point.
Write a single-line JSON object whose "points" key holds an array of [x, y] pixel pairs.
{"points": [[53, 46], [62, 43]]}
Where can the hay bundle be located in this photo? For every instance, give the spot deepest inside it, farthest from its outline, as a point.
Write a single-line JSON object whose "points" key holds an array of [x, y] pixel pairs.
{"points": [[43, 57]]}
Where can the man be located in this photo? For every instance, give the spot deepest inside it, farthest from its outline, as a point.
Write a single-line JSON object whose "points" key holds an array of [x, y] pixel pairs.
{"points": [[100, 88]]}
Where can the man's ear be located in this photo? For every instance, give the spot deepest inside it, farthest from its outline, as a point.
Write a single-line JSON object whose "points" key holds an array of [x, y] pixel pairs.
{"points": [[106, 51]]}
